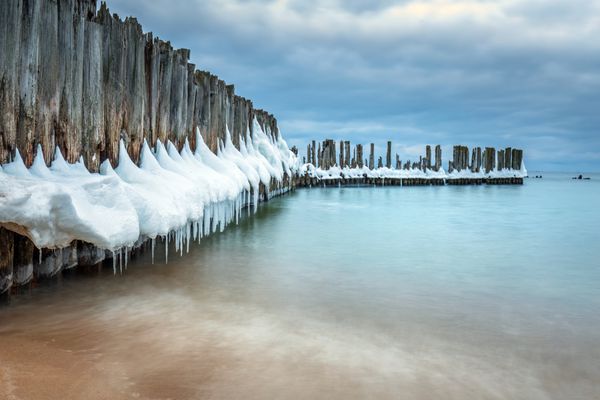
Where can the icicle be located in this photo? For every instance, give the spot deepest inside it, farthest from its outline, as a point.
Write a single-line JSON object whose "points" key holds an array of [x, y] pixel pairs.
{"points": [[187, 237], [181, 241], [121, 260], [153, 244], [114, 257], [126, 255], [166, 249], [40, 255]]}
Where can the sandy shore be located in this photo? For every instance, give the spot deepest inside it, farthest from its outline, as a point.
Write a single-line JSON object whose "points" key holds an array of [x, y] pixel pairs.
{"points": [[32, 370]]}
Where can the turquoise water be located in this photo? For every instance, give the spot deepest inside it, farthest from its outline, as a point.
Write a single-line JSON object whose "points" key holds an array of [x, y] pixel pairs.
{"points": [[483, 292]]}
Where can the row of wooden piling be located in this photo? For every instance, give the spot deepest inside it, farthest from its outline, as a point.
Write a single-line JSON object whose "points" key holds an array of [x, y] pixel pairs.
{"points": [[323, 155], [307, 181]]}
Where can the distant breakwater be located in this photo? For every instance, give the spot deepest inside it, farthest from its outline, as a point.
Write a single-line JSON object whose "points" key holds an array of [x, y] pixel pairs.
{"points": [[323, 165]]}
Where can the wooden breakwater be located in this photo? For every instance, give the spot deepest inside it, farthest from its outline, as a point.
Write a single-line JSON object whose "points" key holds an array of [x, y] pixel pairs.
{"points": [[79, 78], [480, 166]]}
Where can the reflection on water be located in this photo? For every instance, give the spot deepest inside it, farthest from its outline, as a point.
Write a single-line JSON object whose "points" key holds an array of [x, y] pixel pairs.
{"points": [[416, 293]]}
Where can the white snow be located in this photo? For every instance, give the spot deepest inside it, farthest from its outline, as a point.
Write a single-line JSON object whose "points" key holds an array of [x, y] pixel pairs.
{"points": [[178, 195], [387, 173]]}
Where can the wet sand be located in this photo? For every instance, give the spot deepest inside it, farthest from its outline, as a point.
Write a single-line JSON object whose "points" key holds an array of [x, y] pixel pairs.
{"points": [[251, 314]]}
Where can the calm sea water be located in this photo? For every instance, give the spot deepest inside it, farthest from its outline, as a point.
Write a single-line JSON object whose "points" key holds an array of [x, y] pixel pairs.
{"points": [[489, 292]]}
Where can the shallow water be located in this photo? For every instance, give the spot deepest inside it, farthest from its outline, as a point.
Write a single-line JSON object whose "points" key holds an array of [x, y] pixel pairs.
{"points": [[489, 292]]}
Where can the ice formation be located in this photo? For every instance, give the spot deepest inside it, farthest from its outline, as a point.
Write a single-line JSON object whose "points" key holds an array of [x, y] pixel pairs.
{"points": [[389, 173], [177, 195]]}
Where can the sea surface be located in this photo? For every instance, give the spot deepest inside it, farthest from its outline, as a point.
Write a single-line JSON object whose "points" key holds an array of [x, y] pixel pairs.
{"points": [[454, 292]]}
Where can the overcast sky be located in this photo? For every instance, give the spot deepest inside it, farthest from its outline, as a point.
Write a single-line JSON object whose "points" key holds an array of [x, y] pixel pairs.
{"points": [[523, 73]]}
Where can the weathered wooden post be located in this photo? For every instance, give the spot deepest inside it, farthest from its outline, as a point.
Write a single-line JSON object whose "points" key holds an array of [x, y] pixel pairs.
{"points": [[454, 163], [313, 154], [490, 159], [23, 260], [332, 153], [388, 155], [328, 158], [398, 162], [372, 157], [517, 159], [347, 159], [500, 160], [508, 158], [380, 162], [359, 155], [319, 156], [428, 157], [438, 157], [6, 261]]}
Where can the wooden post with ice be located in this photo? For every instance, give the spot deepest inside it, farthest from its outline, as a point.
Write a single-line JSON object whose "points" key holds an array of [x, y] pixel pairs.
{"points": [[372, 157], [438, 158], [6, 261]]}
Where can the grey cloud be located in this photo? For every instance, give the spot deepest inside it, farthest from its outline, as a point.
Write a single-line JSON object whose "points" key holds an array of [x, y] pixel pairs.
{"points": [[523, 73]]}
